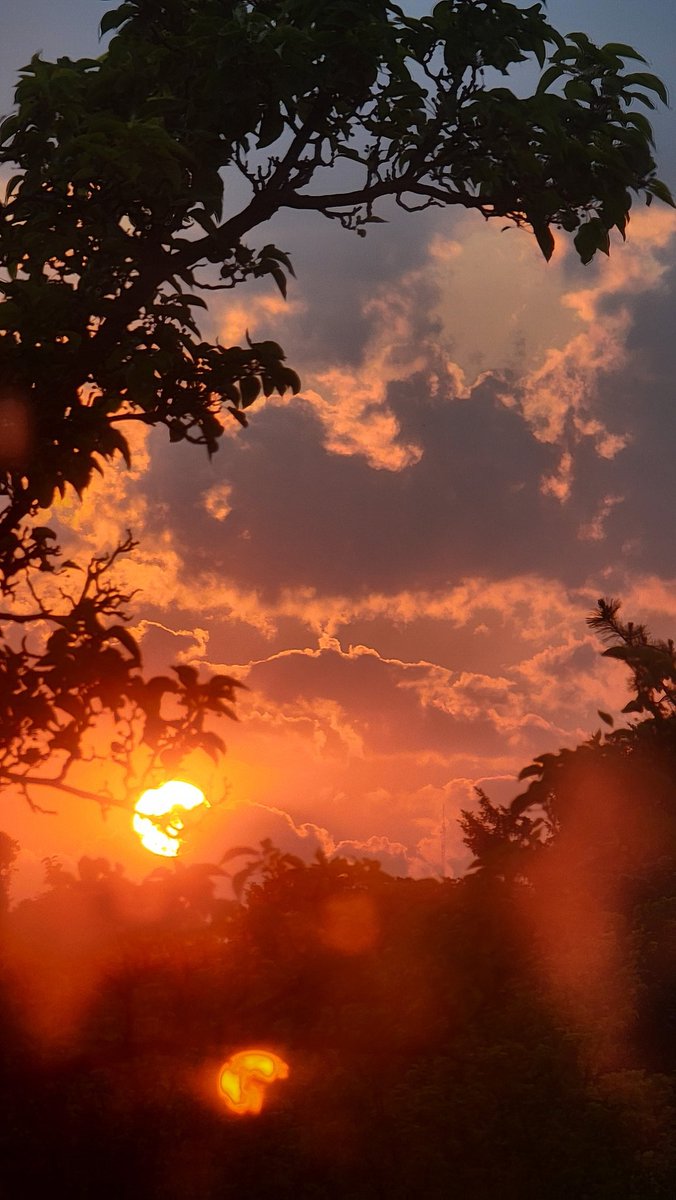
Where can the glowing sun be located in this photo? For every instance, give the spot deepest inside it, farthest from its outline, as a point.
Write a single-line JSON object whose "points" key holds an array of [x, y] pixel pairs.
{"points": [[245, 1076], [159, 816]]}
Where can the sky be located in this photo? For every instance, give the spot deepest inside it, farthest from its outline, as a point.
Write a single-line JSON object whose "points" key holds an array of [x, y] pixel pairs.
{"points": [[399, 562]]}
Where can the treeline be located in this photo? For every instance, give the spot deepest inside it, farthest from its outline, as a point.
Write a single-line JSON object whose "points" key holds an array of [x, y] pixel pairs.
{"points": [[478, 1038], [509, 1034]]}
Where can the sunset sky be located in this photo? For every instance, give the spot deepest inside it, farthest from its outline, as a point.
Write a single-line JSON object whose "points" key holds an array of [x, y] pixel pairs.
{"points": [[399, 562]]}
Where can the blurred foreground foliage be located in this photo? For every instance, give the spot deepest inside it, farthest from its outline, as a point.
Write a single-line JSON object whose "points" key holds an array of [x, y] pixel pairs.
{"points": [[508, 1034]]}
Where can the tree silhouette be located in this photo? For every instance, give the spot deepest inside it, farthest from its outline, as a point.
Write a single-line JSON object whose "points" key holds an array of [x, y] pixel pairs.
{"points": [[435, 1050], [589, 848], [629, 771], [123, 213], [652, 661], [9, 849]]}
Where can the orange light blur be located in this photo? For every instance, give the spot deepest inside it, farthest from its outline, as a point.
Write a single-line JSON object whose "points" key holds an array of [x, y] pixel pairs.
{"points": [[15, 432], [158, 818], [349, 923], [245, 1076]]}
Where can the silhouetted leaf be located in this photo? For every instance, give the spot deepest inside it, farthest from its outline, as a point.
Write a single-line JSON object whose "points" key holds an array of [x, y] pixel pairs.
{"points": [[533, 769], [187, 675], [545, 239], [236, 852], [115, 17]]}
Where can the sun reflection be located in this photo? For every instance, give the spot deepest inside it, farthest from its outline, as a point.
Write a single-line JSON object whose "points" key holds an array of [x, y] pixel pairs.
{"points": [[245, 1076], [159, 816]]}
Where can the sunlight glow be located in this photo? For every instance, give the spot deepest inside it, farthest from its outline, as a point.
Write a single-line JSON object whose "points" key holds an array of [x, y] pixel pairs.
{"points": [[158, 818], [245, 1076]]}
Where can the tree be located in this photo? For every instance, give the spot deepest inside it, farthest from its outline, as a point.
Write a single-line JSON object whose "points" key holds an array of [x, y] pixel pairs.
{"points": [[625, 777], [582, 865], [652, 661], [8, 852], [120, 218], [426, 1053]]}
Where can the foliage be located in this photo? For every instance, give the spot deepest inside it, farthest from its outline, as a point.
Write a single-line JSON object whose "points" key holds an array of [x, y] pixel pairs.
{"points": [[431, 1053], [125, 168], [55, 689], [510, 1033], [9, 849], [593, 839], [125, 209], [652, 661], [609, 770]]}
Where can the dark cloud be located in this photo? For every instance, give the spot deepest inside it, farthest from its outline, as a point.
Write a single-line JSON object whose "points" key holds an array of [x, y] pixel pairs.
{"points": [[330, 263], [641, 400], [302, 517], [392, 707]]}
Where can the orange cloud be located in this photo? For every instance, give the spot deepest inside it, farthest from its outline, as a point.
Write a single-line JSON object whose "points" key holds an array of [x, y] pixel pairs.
{"points": [[236, 318], [351, 402], [217, 501], [559, 483], [562, 388], [594, 529]]}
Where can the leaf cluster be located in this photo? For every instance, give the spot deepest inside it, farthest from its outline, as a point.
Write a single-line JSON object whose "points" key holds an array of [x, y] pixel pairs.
{"points": [[434, 1052], [629, 769], [127, 166], [652, 661], [72, 689]]}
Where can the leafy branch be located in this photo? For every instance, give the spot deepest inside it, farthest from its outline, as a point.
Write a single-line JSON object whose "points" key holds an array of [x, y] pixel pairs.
{"points": [[72, 690]]}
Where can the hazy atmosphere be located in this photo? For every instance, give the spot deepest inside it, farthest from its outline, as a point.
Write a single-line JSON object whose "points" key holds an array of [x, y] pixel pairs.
{"points": [[337, 593], [399, 561]]}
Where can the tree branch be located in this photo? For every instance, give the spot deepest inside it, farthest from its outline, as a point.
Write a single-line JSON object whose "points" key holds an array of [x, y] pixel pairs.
{"points": [[385, 187], [82, 793]]}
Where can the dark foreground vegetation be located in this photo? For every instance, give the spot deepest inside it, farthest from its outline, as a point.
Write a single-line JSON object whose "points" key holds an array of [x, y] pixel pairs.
{"points": [[510, 1034]]}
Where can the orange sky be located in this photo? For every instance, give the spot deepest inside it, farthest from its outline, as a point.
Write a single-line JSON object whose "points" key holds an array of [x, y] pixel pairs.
{"points": [[399, 562]]}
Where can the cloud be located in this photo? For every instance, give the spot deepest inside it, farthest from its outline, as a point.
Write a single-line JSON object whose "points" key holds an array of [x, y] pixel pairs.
{"points": [[352, 402], [594, 530], [531, 606], [354, 413], [217, 501], [238, 318], [250, 823], [558, 397], [291, 516], [399, 563], [559, 483]]}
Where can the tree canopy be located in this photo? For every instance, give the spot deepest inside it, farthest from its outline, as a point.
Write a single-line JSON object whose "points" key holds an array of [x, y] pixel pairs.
{"points": [[141, 180], [612, 795]]}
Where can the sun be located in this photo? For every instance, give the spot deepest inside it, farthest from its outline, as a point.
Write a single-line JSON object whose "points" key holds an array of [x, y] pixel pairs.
{"points": [[159, 816]]}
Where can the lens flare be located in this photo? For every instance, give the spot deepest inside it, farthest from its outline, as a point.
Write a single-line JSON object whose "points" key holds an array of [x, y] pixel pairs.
{"points": [[245, 1076], [16, 434], [158, 818]]}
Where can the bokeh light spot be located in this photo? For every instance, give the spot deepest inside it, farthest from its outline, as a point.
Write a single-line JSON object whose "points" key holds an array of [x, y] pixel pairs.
{"points": [[245, 1076]]}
